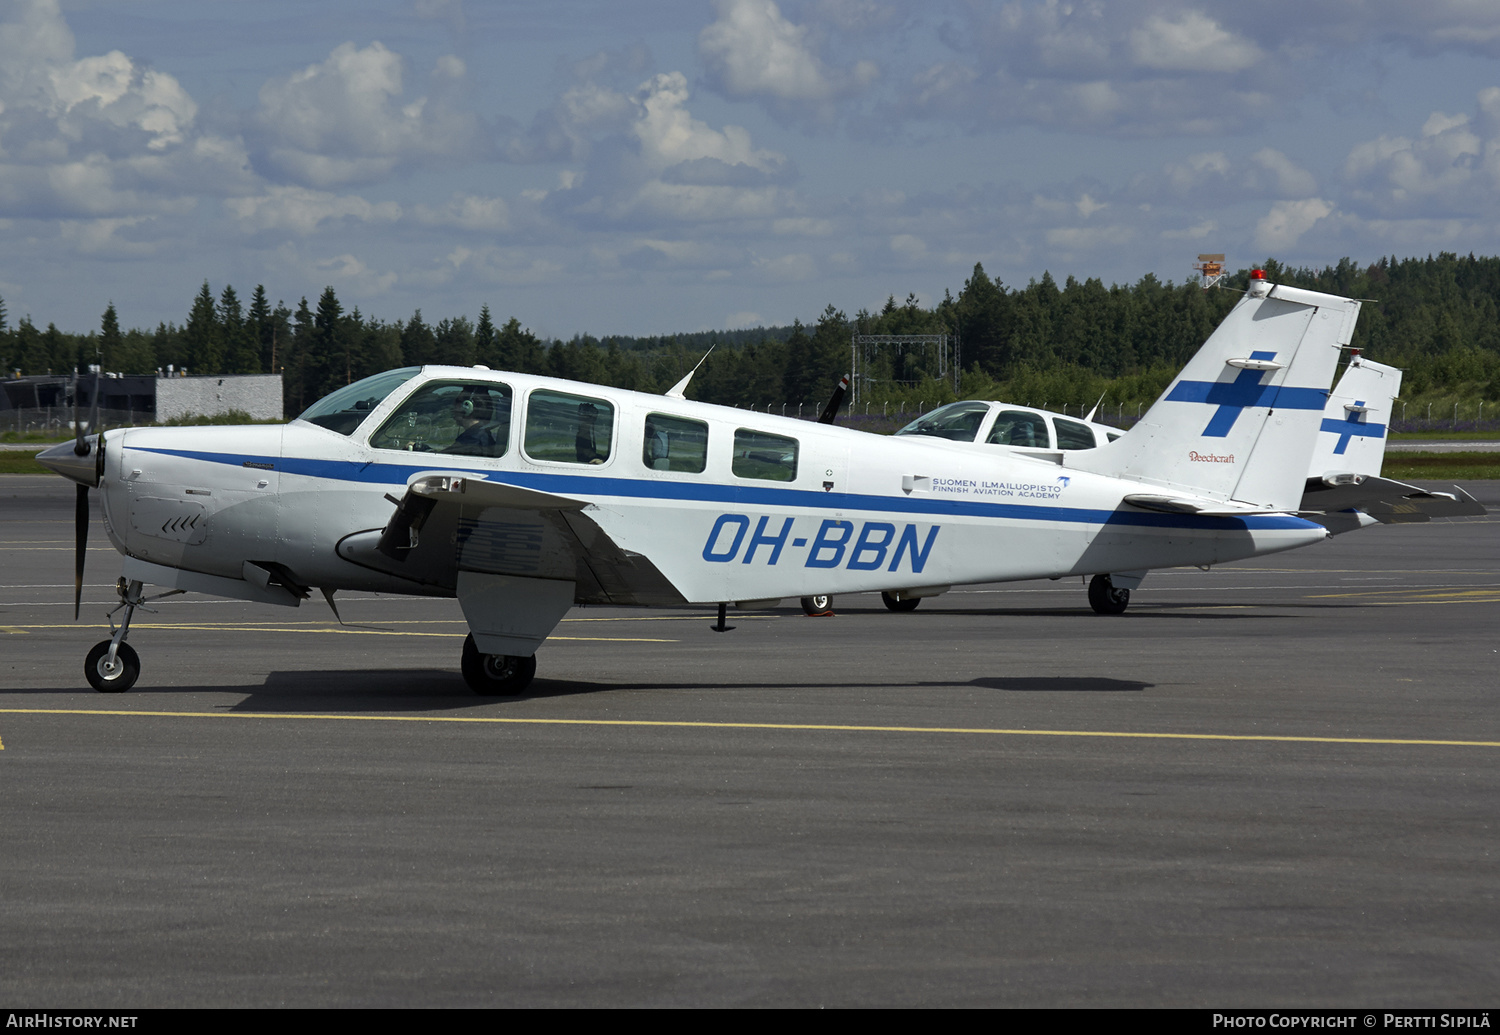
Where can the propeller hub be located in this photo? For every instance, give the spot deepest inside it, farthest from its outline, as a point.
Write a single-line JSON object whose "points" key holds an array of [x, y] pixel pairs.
{"points": [[68, 462]]}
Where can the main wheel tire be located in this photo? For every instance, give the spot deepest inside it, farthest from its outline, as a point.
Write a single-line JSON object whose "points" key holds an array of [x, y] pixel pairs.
{"points": [[1106, 598], [813, 607], [899, 603], [495, 675], [112, 680]]}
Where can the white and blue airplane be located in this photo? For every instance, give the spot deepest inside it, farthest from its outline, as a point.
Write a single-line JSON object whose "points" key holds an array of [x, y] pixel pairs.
{"points": [[523, 496], [1343, 490]]}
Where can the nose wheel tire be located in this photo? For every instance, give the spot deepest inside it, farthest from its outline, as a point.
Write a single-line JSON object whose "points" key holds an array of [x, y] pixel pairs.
{"points": [[116, 678], [1106, 598], [496, 674], [899, 604], [817, 606]]}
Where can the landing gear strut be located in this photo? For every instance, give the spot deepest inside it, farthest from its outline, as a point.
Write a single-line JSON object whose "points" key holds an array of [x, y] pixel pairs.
{"points": [[113, 666], [1106, 598], [496, 674]]}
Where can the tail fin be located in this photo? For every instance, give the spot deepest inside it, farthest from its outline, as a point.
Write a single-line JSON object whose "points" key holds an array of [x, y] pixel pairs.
{"points": [[1241, 420], [1353, 431]]}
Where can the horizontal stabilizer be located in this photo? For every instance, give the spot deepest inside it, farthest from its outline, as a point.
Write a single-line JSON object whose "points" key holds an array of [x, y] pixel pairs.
{"points": [[1188, 505], [1386, 501]]}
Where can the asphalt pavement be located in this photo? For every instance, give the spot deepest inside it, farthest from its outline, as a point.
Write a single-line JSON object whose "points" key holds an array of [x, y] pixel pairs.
{"points": [[1268, 784]]}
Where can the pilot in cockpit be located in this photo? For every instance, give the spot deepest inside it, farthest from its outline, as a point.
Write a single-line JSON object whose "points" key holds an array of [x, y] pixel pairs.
{"points": [[473, 411]]}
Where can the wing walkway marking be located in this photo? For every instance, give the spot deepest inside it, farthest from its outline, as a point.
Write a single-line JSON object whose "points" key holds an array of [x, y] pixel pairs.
{"points": [[791, 726]]}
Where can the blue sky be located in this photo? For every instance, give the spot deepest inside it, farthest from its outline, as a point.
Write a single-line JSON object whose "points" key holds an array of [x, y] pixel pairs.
{"points": [[638, 168]]}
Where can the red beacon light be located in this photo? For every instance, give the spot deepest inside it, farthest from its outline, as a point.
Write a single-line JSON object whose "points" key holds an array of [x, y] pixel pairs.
{"points": [[1259, 285]]}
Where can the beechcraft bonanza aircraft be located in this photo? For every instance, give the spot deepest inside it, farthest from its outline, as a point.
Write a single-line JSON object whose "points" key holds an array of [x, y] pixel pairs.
{"points": [[523, 496], [1343, 490]]}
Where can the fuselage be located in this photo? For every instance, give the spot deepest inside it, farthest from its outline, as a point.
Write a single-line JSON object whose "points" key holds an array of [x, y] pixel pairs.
{"points": [[753, 506]]}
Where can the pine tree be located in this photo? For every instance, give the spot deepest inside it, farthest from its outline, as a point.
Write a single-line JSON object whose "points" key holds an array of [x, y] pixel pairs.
{"points": [[203, 346], [519, 350], [110, 341], [262, 329], [329, 362], [241, 350], [486, 341], [417, 345]]}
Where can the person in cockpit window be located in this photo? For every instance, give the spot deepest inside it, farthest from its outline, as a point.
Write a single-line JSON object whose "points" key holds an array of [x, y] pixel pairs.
{"points": [[473, 411]]}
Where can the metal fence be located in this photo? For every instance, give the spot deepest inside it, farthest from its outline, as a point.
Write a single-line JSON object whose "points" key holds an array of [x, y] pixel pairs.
{"points": [[59, 419]]}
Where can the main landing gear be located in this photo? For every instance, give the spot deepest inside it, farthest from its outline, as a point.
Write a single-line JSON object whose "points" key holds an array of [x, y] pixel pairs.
{"points": [[894, 603], [1106, 598], [818, 606], [496, 674], [113, 666]]}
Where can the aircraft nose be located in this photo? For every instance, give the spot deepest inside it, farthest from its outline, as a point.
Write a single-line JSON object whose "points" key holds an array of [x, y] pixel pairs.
{"points": [[65, 459]]}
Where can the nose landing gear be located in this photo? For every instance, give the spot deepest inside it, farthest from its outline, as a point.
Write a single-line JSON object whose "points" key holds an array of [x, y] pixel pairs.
{"points": [[113, 666]]}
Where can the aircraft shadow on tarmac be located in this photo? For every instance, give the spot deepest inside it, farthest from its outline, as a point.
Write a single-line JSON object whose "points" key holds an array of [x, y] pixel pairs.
{"points": [[420, 689], [396, 690], [1178, 609]]}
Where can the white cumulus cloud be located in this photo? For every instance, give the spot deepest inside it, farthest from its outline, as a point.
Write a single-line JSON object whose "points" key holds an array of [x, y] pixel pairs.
{"points": [[348, 119], [753, 51]]}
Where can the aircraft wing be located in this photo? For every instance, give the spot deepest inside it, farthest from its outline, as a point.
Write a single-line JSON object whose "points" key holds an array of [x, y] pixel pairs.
{"points": [[1339, 506], [449, 525]]}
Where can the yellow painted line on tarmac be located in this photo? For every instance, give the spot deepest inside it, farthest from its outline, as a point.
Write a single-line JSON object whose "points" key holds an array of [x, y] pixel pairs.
{"points": [[799, 727], [13, 630], [311, 628], [1419, 596]]}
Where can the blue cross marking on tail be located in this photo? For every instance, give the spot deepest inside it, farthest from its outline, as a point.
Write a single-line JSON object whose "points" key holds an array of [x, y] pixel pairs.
{"points": [[1233, 397], [1353, 424]]}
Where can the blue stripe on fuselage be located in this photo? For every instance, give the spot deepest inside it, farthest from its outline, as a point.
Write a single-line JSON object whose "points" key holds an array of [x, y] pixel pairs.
{"points": [[738, 495]]}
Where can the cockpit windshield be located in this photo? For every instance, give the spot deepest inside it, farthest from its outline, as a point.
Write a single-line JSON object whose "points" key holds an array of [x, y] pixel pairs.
{"points": [[958, 422], [347, 408]]}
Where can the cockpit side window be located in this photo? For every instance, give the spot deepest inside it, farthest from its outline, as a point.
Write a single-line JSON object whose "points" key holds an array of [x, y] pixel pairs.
{"points": [[764, 457], [461, 418], [346, 409], [675, 444], [1020, 428], [957, 422], [572, 429]]}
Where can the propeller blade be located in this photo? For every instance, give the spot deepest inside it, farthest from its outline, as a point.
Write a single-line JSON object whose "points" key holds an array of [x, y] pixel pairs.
{"points": [[80, 447], [81, 541], [835, 401], [94, 420]]}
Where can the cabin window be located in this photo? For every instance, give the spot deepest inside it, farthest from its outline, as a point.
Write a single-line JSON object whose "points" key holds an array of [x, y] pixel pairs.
{"points": [[570, 429], [1112, 435], [1073, 435], [1020, 428], [460, 418], [347, 408], [957, 422], [675, 444], [764, 457]]}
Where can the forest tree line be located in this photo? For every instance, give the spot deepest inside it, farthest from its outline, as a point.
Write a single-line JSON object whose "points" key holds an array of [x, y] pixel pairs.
{"points": [[1438, 318]]}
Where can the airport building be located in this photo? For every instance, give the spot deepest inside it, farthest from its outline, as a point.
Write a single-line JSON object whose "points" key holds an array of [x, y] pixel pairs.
{"points": [[46, 400]]}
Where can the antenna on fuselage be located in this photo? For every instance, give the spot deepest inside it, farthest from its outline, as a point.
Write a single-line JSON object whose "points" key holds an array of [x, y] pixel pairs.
{"points": [[677, 390], [1090, 417]]}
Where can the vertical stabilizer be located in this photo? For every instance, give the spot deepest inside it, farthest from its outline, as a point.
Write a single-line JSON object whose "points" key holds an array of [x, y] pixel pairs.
{"points": [[1356, 420], [1241, 421]]}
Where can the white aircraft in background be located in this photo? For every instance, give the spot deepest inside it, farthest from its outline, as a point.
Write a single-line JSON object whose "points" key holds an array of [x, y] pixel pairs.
{"points": [[1343, 489], [522, 496]]}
